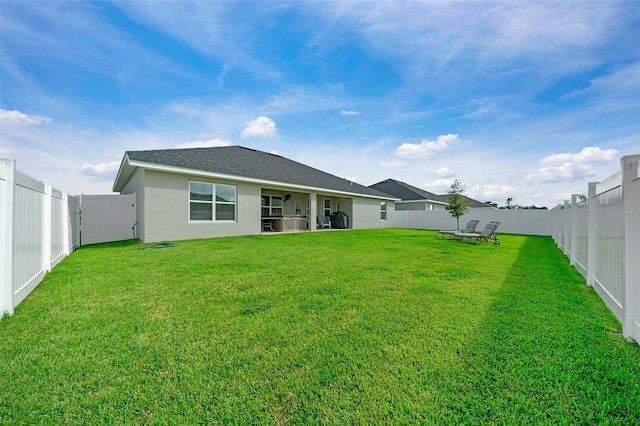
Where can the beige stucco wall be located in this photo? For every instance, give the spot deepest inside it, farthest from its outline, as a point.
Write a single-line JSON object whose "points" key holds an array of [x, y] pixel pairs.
{"points": [[166, 211], [163, 208], [416, 206], [366, 214], [136, 185]]}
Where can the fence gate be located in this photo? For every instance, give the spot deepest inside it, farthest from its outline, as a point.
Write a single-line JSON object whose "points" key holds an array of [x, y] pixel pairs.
{"points": [[107, 218]]}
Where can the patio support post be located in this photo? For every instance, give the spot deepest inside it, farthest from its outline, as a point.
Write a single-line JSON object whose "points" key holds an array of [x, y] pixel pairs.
{"points": [[631, 197], [592, 236], [313, 210]]}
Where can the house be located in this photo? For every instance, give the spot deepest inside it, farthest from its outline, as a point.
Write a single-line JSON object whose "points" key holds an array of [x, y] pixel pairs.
{"points": [[470, 202], [225, 191], [413, 198]]}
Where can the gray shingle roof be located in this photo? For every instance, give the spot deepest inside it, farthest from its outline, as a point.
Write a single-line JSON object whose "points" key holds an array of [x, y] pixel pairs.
{"points": [[405, 191], [250, 163], [470, 202]]}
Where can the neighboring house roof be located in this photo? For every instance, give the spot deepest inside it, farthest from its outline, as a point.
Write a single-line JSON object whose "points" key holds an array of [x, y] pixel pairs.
{"points": [[470, 202], [407, 192], [239, 163]]}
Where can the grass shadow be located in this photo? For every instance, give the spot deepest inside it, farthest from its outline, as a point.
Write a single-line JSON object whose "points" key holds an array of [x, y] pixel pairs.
{"points": [[547, 349]]}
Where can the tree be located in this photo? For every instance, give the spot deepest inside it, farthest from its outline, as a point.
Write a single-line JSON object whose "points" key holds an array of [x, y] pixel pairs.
{"points": [[508, 203], [457, 206]]}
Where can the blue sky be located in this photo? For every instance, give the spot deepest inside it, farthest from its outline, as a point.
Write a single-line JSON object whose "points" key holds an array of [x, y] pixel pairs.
{"points": [[529, 100]]}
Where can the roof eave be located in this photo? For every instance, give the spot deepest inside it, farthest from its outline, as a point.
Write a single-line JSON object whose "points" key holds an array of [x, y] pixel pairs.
{"points": [[123, 175], [194, 172], [424, 200]]}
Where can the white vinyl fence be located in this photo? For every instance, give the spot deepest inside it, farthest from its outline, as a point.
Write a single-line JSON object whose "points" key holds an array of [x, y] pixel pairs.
{"points": [[39, 226], [600, 234], [108, 218], [527, 222]]}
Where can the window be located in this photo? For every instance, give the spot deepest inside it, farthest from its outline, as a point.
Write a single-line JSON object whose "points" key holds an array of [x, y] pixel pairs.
{"points": [[209, 202], [298, 208], [271, 205], [327, 207], [383, 210]]}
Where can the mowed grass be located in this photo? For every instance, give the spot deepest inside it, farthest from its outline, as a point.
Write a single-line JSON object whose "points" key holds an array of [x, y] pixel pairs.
{"points": [[360, 327]]}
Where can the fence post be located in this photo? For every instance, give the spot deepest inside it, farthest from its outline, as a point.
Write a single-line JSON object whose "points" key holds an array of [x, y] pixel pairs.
{"points": [[574, 229], [557, 224], [566, 229], [46, 226], [631, 198], [65, 223], [7, 189], [592, 234]]}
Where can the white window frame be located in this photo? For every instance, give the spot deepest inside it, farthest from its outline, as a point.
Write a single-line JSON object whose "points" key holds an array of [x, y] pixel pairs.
{"points": [[325, 208], [271, 207], [213, 203], [383, 211]]}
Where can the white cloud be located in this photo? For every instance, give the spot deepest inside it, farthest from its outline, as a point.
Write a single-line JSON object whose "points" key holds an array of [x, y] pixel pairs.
{"points": [[625, 80], [438, 186], [392, 164], [426, 148], [261, 127], [489, 191], [500, 33], [298, 99], [106, 170], [571, 166], [343, 112], [204, 144], [589, 154], [18, 118], [565, 171], [210, 28], [445, 172]]}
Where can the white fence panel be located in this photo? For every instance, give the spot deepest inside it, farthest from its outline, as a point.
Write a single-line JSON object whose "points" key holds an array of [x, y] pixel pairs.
{"points": [[37, 231], [28, 264], [107, 218], [527, 222], [73, 227], [612, 226], [58, 227], [631, 196], [568, 211], [608, 274], [579, 234]]}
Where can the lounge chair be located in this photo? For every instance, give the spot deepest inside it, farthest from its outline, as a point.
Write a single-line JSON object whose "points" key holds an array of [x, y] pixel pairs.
{"points": [[488, 233], [324, 222], [470, 228]]}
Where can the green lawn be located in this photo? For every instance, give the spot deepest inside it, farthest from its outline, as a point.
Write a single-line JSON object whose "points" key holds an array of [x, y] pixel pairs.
{"points": [[363, 327]]}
